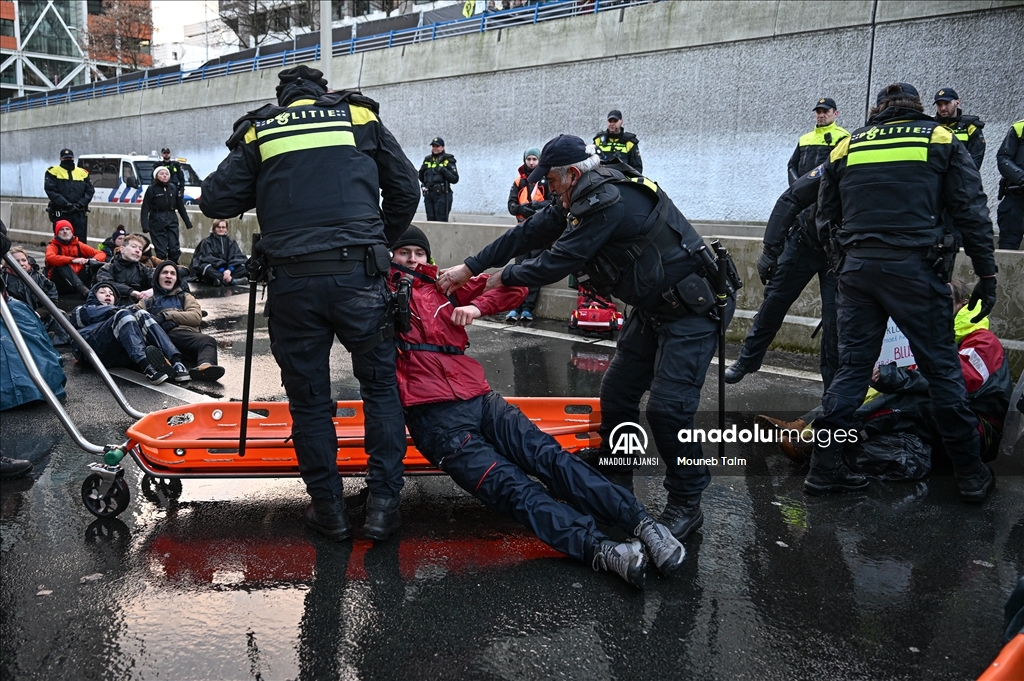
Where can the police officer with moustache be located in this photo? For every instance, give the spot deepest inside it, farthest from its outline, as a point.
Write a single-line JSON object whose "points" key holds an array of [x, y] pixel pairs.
{"points": [[813, 148], [70, 191], [879, 208], [437, 175], [615, 144], [315, 167], [623, 236], [968, 129]]}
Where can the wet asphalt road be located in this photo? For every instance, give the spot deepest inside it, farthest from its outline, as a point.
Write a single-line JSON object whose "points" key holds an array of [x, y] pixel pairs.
{"points": [[224, 582]]}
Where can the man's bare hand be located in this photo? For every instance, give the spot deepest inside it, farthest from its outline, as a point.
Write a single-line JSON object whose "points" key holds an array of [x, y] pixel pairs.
{"points": [[453, 277], [464, 316], [493, 281]]}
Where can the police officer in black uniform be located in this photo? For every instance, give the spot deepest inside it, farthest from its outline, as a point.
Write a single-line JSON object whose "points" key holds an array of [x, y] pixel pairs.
{"points": [[623, 236], [968, 129], [879, 208], [1010, 159], [437, 175], [614, 144], [70, 191], [177, 177], [315, 167]]}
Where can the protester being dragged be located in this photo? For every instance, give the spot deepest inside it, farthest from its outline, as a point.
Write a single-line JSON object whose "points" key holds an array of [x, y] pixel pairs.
{"points": [[218, 260], [113, 242], [19, 290], [524, 199], [125, 271], [70, 263], [179, 314]]}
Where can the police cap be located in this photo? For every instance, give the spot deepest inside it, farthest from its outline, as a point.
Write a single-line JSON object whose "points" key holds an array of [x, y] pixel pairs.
{"points": [[615, 115], [165, 150], [437, 142], [895, 91], [563, 150], [66, 153], [302, 72], [825, 103], [946, 94]]}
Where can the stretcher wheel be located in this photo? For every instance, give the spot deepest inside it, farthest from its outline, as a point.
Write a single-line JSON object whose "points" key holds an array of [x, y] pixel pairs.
{"points": [[161, 491], [108, 505], [573, 323]]}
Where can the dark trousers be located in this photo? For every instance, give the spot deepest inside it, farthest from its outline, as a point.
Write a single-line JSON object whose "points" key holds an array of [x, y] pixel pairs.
{"points": [[671, 360], [121, 339], [79, 223], [534, 293], [437, 205], [490, 449], [306, 314], [195, 346], [215, 277], [68, 281], [908, 290], [165, 242], [1011, 222], [800, 262]]}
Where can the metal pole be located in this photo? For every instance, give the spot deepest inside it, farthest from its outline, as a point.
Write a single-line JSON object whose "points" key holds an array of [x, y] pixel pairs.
{"points": [[722, 300], [326, 48], [247, 373]]}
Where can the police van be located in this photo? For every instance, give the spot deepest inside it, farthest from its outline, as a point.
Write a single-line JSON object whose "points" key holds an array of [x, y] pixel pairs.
{"points": [[124, 178]]}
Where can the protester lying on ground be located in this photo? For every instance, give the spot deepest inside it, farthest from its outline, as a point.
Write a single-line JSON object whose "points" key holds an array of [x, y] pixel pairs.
{"points": [[112, 243], [19, 290], [489, 448], [218, 260], [897, 406], [125, 271], [70, 264], [126, 337], [180, 315]]}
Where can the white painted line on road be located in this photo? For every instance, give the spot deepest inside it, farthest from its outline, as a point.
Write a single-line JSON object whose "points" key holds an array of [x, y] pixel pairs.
{"points": [[167, 388]]}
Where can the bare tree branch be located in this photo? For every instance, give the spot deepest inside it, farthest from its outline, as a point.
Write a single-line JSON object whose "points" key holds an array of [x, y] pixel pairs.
{"points": [[123, 33]]}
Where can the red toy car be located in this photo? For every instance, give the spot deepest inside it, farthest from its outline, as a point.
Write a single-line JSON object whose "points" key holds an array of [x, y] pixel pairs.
{"points": [[594, 314]]}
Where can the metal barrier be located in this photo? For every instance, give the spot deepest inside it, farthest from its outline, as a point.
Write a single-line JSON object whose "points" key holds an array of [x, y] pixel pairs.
{"points": [[488, 21]]}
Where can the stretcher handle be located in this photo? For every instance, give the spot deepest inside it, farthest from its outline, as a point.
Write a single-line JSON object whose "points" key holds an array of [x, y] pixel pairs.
{"points": [[58, 314], [37, 378]]}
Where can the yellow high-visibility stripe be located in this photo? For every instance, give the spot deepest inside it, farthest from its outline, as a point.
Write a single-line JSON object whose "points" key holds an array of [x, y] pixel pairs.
{"points": [[914, 139], [1019, 127], [361, 115], [262, 134], [650, 184], [250, 135], [861, 157], [312, 140], [942, 135], [841, 150]]}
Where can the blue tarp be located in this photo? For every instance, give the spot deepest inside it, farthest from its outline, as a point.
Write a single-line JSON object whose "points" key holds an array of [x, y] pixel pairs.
{"points": [[16, 386]]}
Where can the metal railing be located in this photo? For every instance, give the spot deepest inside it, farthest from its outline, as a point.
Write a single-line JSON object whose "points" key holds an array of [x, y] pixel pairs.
{"points": [[488, 21]]}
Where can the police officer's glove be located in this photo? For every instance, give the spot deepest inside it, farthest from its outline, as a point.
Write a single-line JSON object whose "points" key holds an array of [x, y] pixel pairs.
{"points": [[68, 207], [766, 265], [985, 291], [188, 225]]}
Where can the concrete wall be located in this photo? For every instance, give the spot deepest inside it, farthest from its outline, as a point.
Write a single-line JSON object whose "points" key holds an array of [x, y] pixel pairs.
{"points": [[717, 91]]}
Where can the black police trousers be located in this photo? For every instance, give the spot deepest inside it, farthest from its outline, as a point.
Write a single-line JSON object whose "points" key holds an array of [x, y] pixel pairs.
{"points": [[671, 359], [166, 242], [907, 289], [1011, 222], [490, 449], [437, 205], [306, 314], [799, 263]]}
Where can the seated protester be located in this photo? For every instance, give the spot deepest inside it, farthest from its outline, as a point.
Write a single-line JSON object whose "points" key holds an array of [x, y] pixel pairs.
{"points": [[19, 290], [218, 260], [69, 262], [132, 280], [179, 314], [113, 242], [120, 335], [148, 258], [490, 449]]}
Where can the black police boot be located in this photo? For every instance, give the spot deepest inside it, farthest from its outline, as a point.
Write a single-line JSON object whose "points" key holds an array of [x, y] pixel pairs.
{"points": [[664, 549], [328, 517], [627, 560], [735, 372], [975, 483], [382, 517], [14, 468], [829, 473], [682, 515]]}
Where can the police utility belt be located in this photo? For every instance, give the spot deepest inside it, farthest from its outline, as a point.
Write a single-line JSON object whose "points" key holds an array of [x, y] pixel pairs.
{"points": [[438, 188], [341, 260]]}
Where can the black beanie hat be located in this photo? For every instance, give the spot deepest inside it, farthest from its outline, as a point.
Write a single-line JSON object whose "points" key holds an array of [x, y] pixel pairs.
{"points": [[300, 72], [413, 236]]}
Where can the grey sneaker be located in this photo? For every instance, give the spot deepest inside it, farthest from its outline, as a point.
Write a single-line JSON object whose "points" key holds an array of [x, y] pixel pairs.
{"points": [[664, 549], [180, 373], [627, 560]]}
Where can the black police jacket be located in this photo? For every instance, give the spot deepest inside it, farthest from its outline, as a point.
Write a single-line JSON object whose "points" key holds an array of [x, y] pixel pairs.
{"points": [[68, 188], [888, 183], [438, 172], [1010, 157], [608, 215], [125, 276], [624, 147], [315, 171], [159, 205], [813, 148], [797, 207], [967, 129]]}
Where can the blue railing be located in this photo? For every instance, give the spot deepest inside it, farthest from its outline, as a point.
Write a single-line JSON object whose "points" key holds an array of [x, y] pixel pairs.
{"points": [[489, 21]]}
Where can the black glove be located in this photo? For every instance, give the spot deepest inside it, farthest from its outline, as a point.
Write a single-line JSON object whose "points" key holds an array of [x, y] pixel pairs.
{"points": [[188, 225], [68, 207], [766, 265], [985, 291]]}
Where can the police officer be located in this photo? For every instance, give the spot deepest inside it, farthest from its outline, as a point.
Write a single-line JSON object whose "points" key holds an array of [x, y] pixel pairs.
{"points": [[158, 218], [437, 175], [813, 148], [623, 236], [791, 257], [879, 208], [174, 167], [70, 192], [1010, 159], [615, 144], [966, 128], [314, 167]]}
